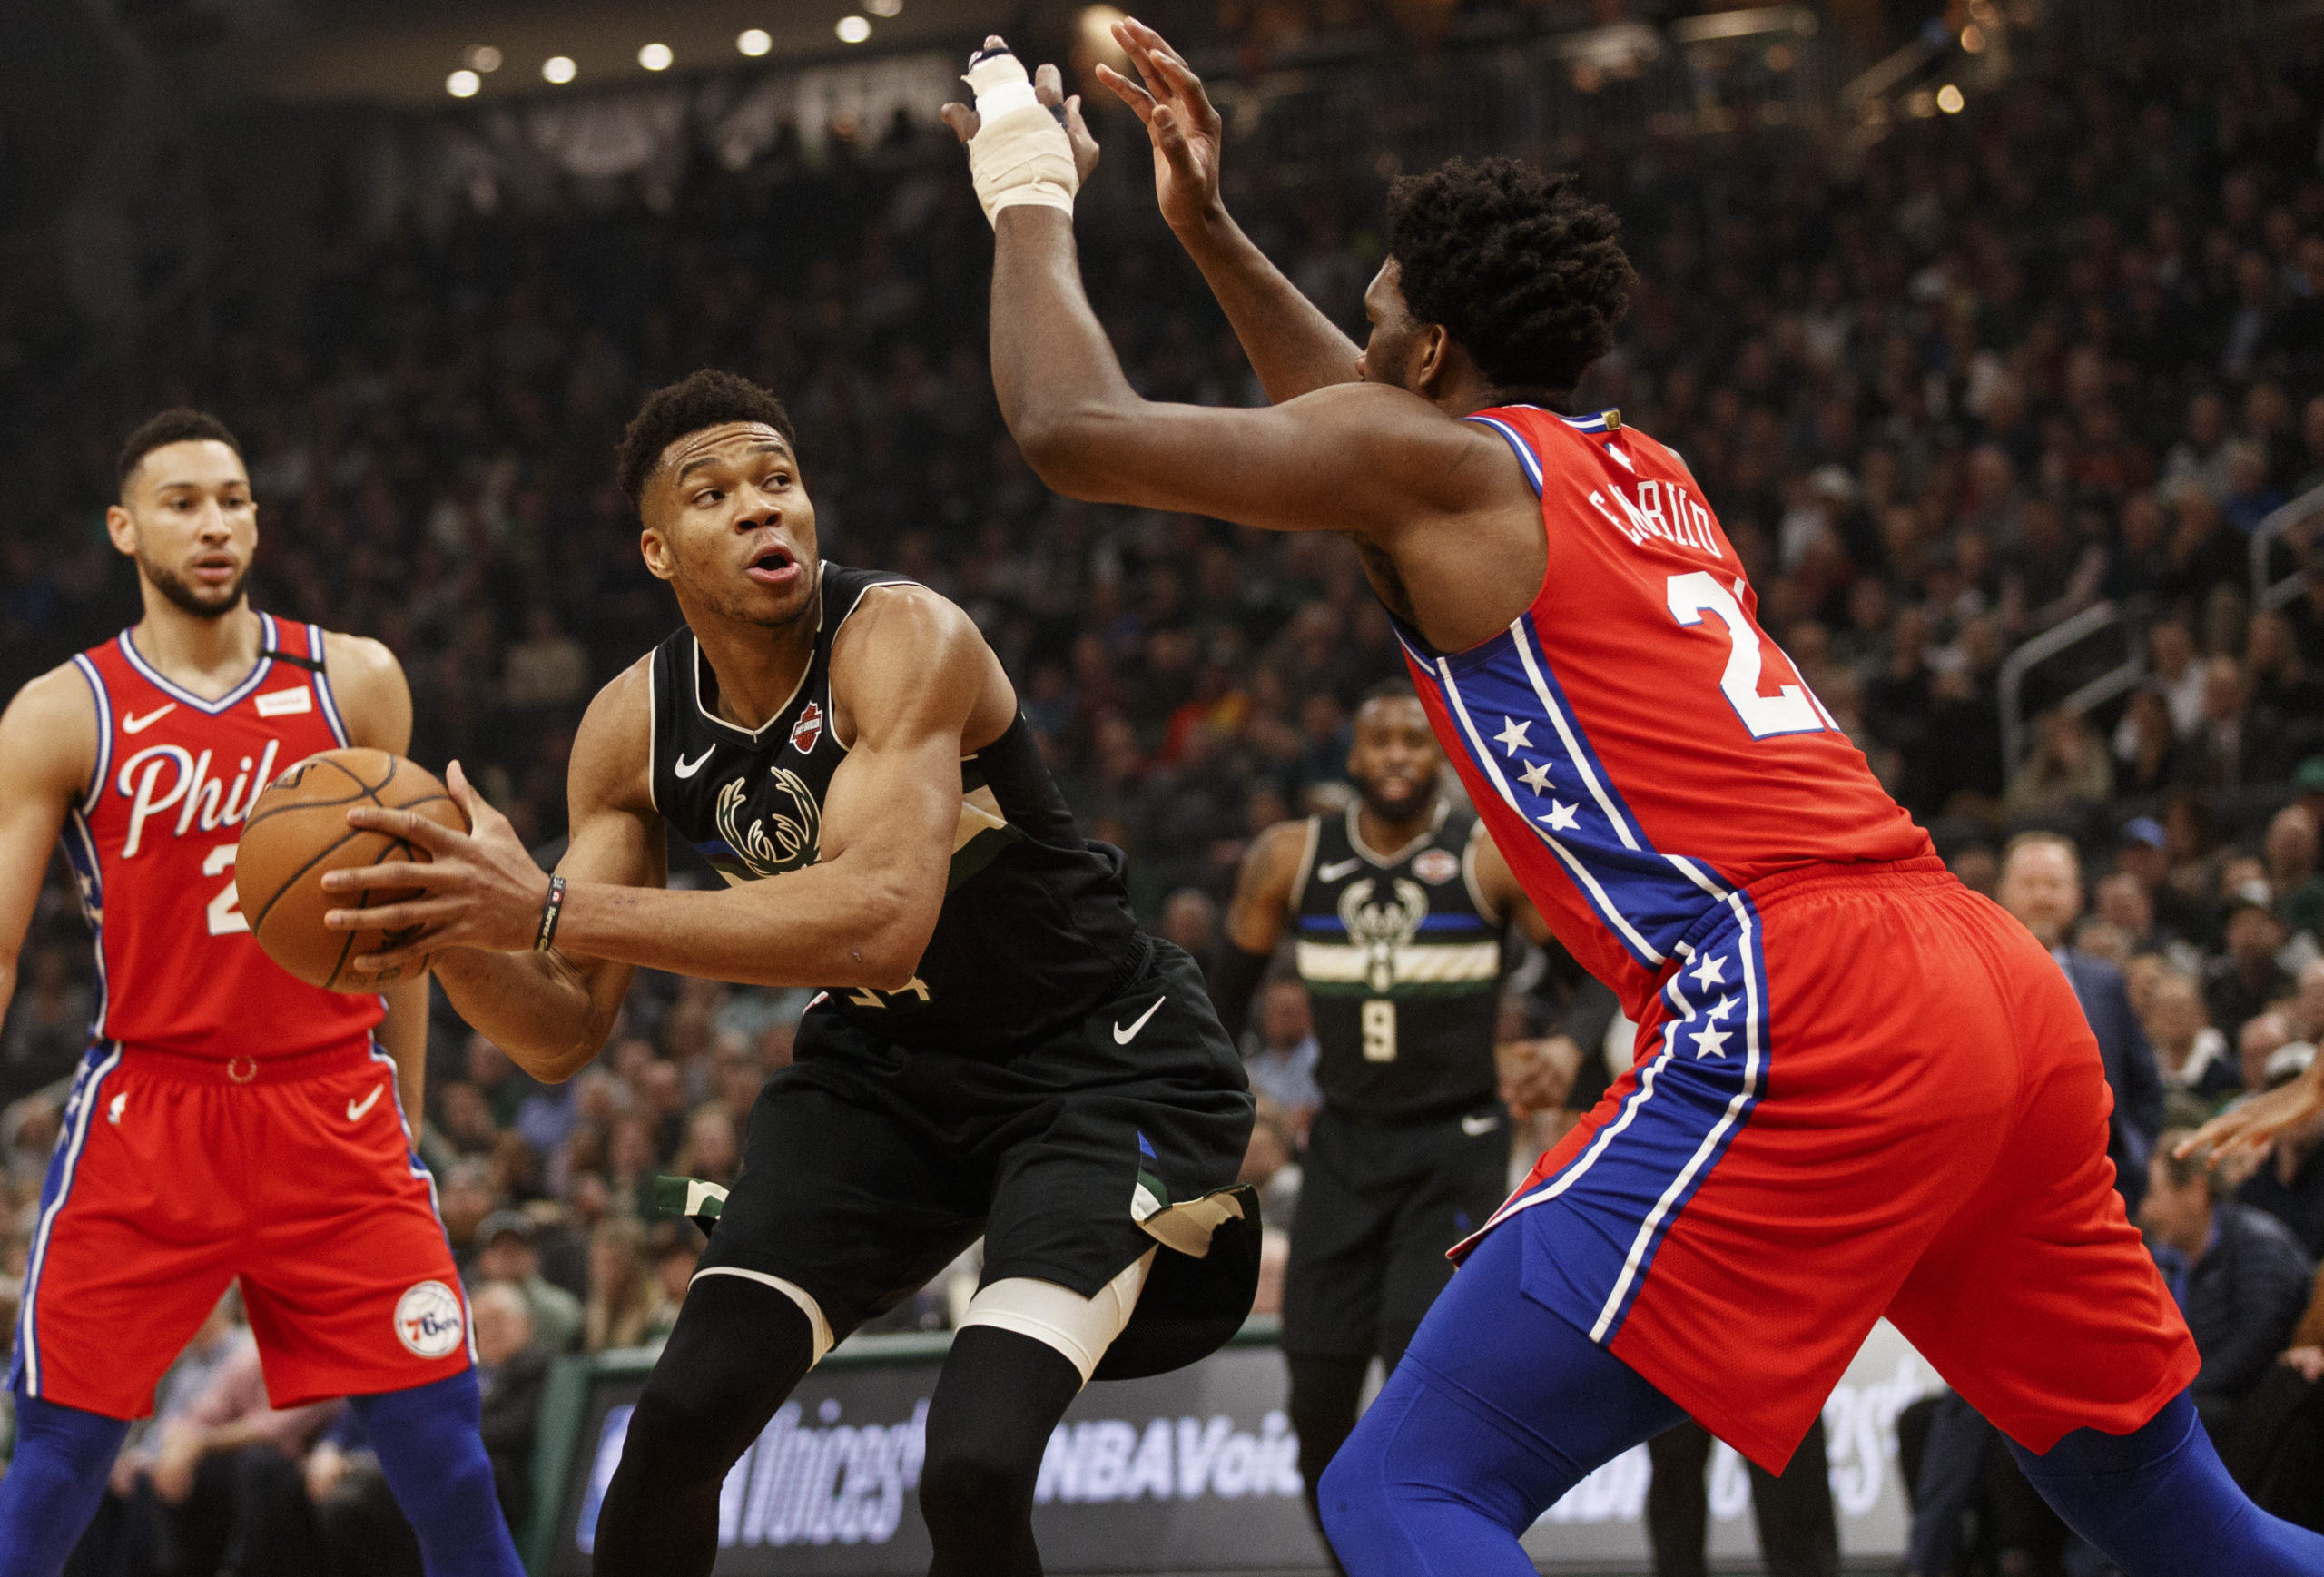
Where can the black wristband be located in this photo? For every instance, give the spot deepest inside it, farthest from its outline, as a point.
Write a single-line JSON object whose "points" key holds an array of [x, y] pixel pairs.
{"points": [[1240, 973], [552, 910]]}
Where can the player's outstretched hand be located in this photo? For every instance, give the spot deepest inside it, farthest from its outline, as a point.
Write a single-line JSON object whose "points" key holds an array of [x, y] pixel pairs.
{"points": [[2250, 1125], [1048, 87], [477, 889], [1180, 122]]}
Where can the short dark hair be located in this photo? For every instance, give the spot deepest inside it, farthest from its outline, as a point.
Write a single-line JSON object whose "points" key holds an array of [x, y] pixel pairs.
{"points": [[707, 398], [1393, 688], [177, 424], [1515, 263]]}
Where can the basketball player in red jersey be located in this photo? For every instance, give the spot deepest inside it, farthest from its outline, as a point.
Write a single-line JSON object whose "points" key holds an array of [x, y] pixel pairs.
{"points": [[228, 1120], [1860, 1090]]}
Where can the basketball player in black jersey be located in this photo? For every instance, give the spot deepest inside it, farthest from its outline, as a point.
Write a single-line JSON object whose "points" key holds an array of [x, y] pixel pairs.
{"points": [[1399, 908], [1000, 1051]]}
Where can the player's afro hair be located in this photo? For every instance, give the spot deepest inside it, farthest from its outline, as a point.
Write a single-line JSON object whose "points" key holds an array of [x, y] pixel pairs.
{"points": [[707, 398], [177, 424], [1515, 263]]}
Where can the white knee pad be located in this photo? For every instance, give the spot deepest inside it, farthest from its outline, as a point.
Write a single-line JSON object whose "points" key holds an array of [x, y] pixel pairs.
{"points": [[1081, 1328], [790, 1289]]}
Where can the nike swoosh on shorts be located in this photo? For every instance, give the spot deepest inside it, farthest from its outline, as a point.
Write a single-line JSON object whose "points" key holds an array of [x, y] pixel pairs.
{"points": [[1124, 1037]]}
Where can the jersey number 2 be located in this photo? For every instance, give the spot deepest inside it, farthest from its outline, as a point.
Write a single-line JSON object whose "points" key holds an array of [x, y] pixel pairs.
{"points": [[225, 914], [1791, 709]]}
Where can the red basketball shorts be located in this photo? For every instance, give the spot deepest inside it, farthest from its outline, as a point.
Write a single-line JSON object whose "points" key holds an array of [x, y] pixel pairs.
{"points": [[172, 1179], [1862, 1092]]}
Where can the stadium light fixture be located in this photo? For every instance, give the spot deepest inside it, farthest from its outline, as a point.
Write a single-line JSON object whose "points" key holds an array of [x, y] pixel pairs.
{"points": [[852, 29], [656, 57], [755, 41], [884, 8], [482, 58], [559, 69], [1949, 100], [463, 84]]}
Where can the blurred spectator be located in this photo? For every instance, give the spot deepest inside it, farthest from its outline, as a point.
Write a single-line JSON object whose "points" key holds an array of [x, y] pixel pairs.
{"points": [[2242, 983], [2239, 1275], [505, 1253], [2189, 1052], [626, 1296], [2277, 1451], [2297, 890], [1190, 918], [1270, 1166], [226, 1469], [511, 1371], [2290, 1183], [1283, 1066], [2068, 770], [2041, 885]]}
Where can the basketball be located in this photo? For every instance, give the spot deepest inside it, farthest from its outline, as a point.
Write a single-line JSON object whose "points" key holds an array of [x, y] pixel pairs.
{"points": [[298, 832]]}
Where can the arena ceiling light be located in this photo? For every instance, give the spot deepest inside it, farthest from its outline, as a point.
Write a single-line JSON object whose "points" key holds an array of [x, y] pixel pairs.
{"points": [[852, 29], [656, 57], [1949, 100], [559, 69], [482, 58], [463, 84], [755, 41], [884, 8]]}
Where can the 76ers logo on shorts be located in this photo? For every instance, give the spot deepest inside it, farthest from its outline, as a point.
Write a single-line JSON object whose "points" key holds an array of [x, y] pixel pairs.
{"points": [[808, 729], [429, 1320]]}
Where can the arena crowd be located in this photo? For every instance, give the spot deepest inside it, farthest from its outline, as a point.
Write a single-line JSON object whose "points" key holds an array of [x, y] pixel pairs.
{"points": [[2065, 348]]}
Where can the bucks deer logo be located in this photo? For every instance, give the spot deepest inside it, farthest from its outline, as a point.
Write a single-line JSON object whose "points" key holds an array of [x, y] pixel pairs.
{"points": [[1380, 929], [786, 837]]}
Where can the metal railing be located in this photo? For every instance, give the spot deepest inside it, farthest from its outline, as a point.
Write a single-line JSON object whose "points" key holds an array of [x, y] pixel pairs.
{"points": [[2273, 593], [2090, 623]]}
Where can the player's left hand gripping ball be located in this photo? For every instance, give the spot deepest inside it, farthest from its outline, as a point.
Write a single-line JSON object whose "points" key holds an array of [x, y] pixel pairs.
{"points": [[477, 889], [1028, 144]]}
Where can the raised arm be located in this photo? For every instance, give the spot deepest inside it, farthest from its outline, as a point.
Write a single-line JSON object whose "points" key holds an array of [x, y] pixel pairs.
{"points": [[1293, 346], [909, 672], [48, 737], [551, 1010], [1255, 919]]}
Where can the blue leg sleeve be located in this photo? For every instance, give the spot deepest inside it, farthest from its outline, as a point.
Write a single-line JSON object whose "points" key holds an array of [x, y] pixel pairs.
{"points": [[1498, 1408], [2158, 1503], [53, 1483], [433, 1462]]}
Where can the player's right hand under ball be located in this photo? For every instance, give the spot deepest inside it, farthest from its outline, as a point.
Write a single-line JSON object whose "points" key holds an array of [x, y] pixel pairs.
{"points": [[479, 889]]}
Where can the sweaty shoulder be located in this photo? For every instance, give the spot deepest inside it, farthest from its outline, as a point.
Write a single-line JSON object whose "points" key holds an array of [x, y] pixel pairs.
{"points": [[48, 736], [613, 751], [904, 645], [369, 685]]}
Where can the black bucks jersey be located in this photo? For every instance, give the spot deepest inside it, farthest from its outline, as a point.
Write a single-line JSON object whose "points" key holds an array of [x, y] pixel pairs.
{"points": [[1402, 960], [1035, 924]]}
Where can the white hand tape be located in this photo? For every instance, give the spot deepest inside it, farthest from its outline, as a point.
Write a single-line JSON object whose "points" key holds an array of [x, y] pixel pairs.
{"points": [[1019, 156]]}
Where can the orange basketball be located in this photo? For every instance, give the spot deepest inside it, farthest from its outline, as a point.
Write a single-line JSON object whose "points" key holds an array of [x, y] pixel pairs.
{"points": [[298, 831]]}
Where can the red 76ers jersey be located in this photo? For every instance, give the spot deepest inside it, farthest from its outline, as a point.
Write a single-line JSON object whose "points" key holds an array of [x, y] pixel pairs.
{"points": [[1638, 746], [152, 845]]}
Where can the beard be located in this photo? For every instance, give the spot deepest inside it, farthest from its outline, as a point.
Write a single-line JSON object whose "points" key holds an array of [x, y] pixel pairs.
{"points": [[1391, 807], [188, 598], [732, 604]]}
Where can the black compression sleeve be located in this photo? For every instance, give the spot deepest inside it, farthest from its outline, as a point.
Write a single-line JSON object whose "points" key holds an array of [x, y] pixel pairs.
{"points": [[1240, 973]]}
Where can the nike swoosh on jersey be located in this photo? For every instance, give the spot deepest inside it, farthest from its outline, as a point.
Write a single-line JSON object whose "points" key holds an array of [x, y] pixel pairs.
{"points": [[1337, 869], [140, 724], [1478, 1126], [1124, 1037], [355, 1109], [685, 768]]}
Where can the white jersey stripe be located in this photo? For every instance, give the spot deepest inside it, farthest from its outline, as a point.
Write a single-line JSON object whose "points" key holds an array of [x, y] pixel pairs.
{"points": [[1639, 944], [1519, 638]]}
